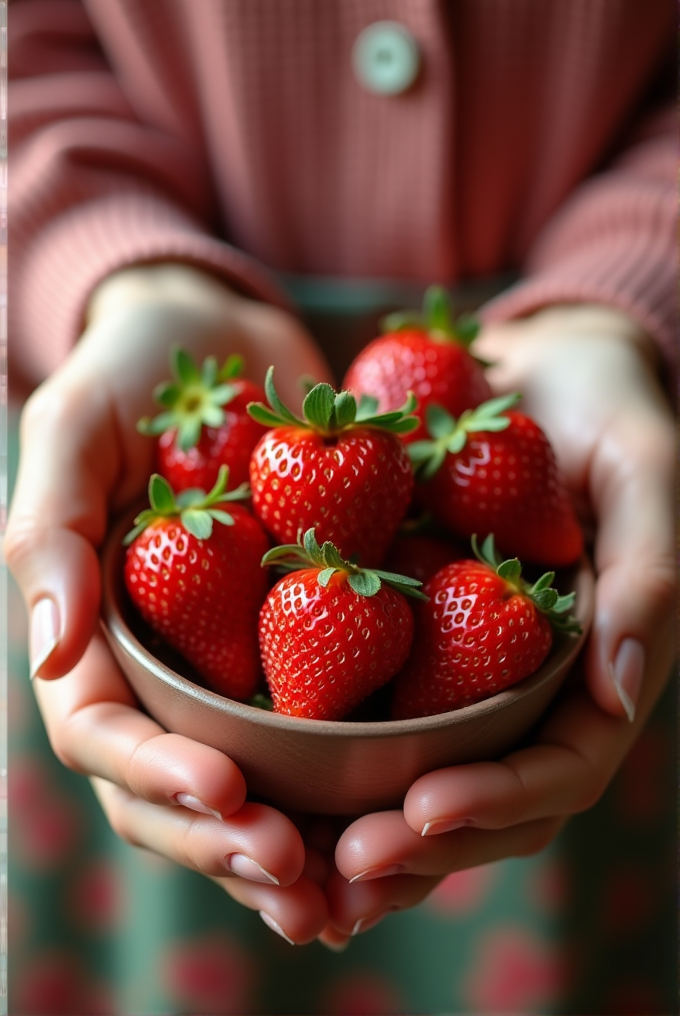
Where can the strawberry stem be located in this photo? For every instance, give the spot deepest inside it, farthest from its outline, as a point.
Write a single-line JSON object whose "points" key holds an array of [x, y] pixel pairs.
{"points": [[329, 412], [196, 510], [548, 600], [449, 435], [194, 398], [436, 318], [307, 553]]}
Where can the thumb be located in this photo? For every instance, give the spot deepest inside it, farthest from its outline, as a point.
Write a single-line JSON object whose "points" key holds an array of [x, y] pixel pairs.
{"points": [[69, 461], [631, 645]]}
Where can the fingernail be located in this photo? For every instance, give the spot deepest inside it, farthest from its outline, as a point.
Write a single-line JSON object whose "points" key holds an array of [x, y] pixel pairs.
{"points": [[245, 867], [336, 947], [45, 633], [366, 923], [443, 825], [379, 871], [195, 804], [626, 673], [271, 923]]}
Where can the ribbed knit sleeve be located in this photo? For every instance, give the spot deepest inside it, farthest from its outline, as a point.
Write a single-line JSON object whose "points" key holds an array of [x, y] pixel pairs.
{"points": [[93, 189], [612, 242]]}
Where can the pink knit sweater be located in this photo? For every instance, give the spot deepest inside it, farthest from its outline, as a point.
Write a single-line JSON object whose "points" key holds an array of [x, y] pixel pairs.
{"points": [[235, 135]]}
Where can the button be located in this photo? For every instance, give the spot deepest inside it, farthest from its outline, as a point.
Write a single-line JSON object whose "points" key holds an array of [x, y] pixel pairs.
{"points": [[386, 58]]}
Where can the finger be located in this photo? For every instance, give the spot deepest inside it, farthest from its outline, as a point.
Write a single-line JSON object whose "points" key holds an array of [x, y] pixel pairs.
{"points": [[95, 726], [577, 751], [383, 848], [250, 843], [632, 641], [359, 906], [68, 463]]}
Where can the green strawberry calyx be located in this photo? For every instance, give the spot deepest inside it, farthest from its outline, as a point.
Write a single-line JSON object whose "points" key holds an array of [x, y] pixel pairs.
{"points": [[194, 398], [436, 318], [196, 510], [448, 435], [548, 600], [364, 581], [329, 412]]}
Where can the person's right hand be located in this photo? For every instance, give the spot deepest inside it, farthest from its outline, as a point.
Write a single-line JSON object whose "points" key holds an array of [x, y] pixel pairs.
{"points": [[81, 461]]}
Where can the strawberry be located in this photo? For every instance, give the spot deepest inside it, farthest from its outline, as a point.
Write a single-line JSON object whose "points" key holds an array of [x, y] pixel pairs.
{"points": [[482, 629], [339, 469], [204, 423], [331, 633], [193, 572], [427, 354], [494, 471]]}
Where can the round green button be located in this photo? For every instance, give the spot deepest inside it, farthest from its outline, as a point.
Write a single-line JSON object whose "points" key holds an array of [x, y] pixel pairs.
{"points": [[386, 58]]}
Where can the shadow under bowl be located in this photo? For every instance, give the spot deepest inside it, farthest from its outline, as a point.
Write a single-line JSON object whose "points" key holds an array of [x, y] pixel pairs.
{"points": [[322, 766]]}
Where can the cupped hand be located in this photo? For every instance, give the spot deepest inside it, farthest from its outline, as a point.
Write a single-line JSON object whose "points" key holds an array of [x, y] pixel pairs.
{"points": [[588, 376], [81, 461]]}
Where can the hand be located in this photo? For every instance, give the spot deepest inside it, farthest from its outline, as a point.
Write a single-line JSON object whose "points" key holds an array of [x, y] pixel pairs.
{"points": [[82, 459], [587, 376]]}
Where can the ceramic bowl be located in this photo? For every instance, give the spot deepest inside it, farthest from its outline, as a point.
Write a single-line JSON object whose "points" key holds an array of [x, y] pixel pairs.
{"points": [[319, 766]]}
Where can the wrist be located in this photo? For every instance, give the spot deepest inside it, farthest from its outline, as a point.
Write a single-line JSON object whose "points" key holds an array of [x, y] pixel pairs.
{"points": [[166, 283], [587, 320]]}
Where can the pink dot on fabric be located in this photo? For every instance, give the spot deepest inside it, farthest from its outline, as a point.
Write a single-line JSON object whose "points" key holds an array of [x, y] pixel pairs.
{"points": [[361, 994], [212, 975], [462, 892], [513, 970]]}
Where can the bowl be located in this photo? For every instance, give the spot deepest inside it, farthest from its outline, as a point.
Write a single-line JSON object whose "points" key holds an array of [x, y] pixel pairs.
{"points": [[321, 766]]}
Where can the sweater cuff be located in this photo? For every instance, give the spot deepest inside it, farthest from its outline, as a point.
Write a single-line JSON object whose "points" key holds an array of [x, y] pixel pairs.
{"points": [[52, 282]]}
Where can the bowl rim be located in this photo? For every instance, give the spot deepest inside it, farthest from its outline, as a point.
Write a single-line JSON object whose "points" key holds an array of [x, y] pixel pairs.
{"points": [[565, 647]]}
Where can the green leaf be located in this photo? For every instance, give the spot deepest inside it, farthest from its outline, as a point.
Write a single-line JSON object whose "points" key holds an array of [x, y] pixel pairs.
{"points": [[544, 582], [457, 441], [439, 422], [345, 409], [261, 701], [275, 402], [437, 310], [492, 407], [324, 577], [184, 367], [161, 496], [209, 372], [467, 329], [260, 413], [156, 426], [197, 522], [143, 520], [167, 393], [220, 395], [545, 599], [364, 583], [212, 416], [189, 497], [219, 516], [511, 571], [318, 407], [231, 368], [490, 424], [189, 432], [368, 407], [400, 321]]}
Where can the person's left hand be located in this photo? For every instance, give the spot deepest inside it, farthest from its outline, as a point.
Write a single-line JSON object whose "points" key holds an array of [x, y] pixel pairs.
{"points": [[587, 376]]}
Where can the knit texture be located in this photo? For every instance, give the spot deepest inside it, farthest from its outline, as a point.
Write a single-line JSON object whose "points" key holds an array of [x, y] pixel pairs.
{"points": [[236, 137]]}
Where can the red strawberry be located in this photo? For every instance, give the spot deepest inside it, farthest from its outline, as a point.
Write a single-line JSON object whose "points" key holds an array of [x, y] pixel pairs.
{"points": [[427, 354], [330, 632], [494, 471], [340, 470], [205, 423], [200, 584], [483, 629]]}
